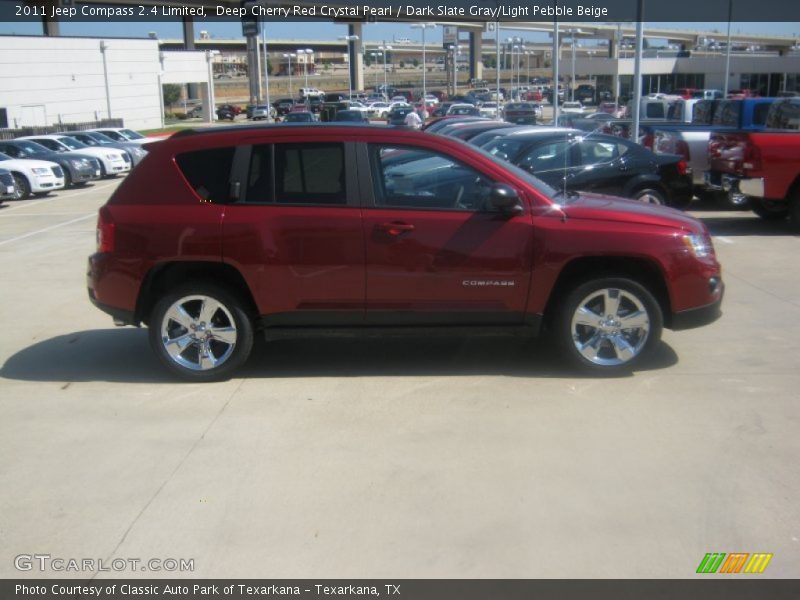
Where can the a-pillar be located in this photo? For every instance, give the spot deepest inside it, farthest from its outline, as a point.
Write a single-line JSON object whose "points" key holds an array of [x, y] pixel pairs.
{"points": [[356, 56], [188, 44], [476, 54]]}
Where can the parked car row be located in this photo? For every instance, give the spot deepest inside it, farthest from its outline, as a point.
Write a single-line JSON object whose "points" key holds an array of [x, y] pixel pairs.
{"points": [[40, 164]]}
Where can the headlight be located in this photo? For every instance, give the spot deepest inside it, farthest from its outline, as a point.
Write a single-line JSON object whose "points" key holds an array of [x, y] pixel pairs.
{"points": [[700, 245], [139, 152], [40, 171], [113, 156], [79, 162]]}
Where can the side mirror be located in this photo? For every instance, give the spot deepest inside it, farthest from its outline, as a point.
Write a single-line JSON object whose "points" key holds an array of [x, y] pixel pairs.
{"points": [[505, 199]]}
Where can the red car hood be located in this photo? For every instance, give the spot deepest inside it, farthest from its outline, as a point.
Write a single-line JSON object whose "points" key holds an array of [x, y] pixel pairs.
{"points": [[610, 208]]}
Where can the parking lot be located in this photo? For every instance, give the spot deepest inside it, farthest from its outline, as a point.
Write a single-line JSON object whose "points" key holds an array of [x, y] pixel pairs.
{"points": [[423, 458]]}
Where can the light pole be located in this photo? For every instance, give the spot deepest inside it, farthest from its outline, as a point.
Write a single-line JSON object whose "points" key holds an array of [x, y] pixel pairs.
{"points": [[375, 56], [266, 67], [350, 39], [423, 27], [522, 50], [497, 65], [306, 53], [290, 57], [456, 54], [384, 49], [728, 51]]}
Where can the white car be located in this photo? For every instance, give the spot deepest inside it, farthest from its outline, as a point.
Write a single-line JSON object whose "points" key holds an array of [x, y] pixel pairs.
{"points": [[112, 161], [491, 110], [311, 92], [379, 109], [355, 105], [431, 100], [571, 107], [33, 176]]}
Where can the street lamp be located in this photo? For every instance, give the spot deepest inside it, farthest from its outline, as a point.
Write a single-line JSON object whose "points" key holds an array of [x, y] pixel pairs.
{"points": [[306, 53], [456, 48], [349, 39], [423, 27], [290, 57], [266, 68], [375, 56], [384, 49]]}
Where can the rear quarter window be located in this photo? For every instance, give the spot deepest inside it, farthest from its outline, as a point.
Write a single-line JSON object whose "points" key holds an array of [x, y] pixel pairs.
{"points": [[209, 173]]}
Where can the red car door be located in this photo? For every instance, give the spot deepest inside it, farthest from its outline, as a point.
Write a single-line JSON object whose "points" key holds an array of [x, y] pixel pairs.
{"points": [[436, 253], [295, 233]]}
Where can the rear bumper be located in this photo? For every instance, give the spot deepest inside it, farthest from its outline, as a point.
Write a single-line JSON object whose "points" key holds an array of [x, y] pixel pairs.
{"points": [[749, 186]]}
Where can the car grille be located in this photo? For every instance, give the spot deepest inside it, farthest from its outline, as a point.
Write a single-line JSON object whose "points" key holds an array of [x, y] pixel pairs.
{"points": [[126, 157], [58, 171], [95, 163]]}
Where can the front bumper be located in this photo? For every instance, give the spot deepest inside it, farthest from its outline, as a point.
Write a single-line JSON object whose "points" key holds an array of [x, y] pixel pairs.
{"points": [[81, 174], [697, 317], [46, 184]]}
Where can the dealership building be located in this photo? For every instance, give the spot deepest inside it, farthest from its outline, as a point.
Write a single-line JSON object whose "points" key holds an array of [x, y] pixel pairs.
{"points": [[50, 79]]}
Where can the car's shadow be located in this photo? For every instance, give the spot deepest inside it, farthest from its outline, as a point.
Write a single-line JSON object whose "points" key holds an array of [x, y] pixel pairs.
{"points": [[725, 220], [124, 356]]}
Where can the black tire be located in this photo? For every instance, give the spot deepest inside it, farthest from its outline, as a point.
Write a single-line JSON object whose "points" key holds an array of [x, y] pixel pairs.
{"points": [[634, 302], [22, 185], [771, 210], [232, 313], [794, 210], [651, 196]]}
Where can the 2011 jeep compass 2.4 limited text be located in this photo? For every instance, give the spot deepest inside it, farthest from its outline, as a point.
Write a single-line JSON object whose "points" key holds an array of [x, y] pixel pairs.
{"points": [[298, 230]]}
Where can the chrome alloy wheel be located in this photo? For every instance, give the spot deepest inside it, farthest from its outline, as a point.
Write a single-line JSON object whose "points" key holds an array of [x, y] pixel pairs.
{"points": [[198, 332], [610, 327], [650, 198]]}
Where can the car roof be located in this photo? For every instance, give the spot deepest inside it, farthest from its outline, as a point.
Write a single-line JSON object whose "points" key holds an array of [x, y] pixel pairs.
{"points": [[44, 136]]}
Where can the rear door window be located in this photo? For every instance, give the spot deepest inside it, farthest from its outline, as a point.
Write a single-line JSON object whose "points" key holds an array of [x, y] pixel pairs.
{"points": [[310, 174]]}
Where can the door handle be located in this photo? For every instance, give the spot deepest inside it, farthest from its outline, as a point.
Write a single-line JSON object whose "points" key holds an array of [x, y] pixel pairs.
{"points": [[395, 228], [623, 167]]}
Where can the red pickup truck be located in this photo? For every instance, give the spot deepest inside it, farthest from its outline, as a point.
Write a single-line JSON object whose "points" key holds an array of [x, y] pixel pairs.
{"points": [[763, 166]]}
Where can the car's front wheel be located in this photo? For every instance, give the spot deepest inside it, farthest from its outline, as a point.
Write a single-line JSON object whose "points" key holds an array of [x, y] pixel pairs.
{"points": [[22, 187], [606, 325], [201, 332]]}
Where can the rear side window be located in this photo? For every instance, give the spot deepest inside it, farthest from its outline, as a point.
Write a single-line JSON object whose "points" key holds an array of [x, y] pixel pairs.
{"points": [[784, 115], [728, 114], [310, 174], [760, 112], [209, 173], [654, 110]]}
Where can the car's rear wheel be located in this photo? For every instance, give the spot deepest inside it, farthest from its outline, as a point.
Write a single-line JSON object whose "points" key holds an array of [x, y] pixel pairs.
{"points": [[201, 332], [22, 187], [606, 325], [771, 210], [650, 196], [794, 210]]}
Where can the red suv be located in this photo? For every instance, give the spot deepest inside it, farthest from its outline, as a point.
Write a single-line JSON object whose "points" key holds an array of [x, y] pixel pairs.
{"points": [[312, 230]]}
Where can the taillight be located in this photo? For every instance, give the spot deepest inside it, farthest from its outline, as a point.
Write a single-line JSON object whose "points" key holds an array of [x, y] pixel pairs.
{"points": [[682, 148], [105, 231], [752, 157], [682, 167]]}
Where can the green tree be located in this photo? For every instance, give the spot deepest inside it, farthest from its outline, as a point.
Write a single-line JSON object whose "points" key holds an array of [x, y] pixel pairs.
{"points": [[172, 93], [415, 62]]}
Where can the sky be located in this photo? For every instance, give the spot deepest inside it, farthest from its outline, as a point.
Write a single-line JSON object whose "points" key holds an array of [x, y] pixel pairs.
{"points": [[330, 31]]}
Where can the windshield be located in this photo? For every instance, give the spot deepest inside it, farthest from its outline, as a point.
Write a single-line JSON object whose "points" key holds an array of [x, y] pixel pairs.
{"points": [[115, 136], [131, 134], [72, 143]]}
